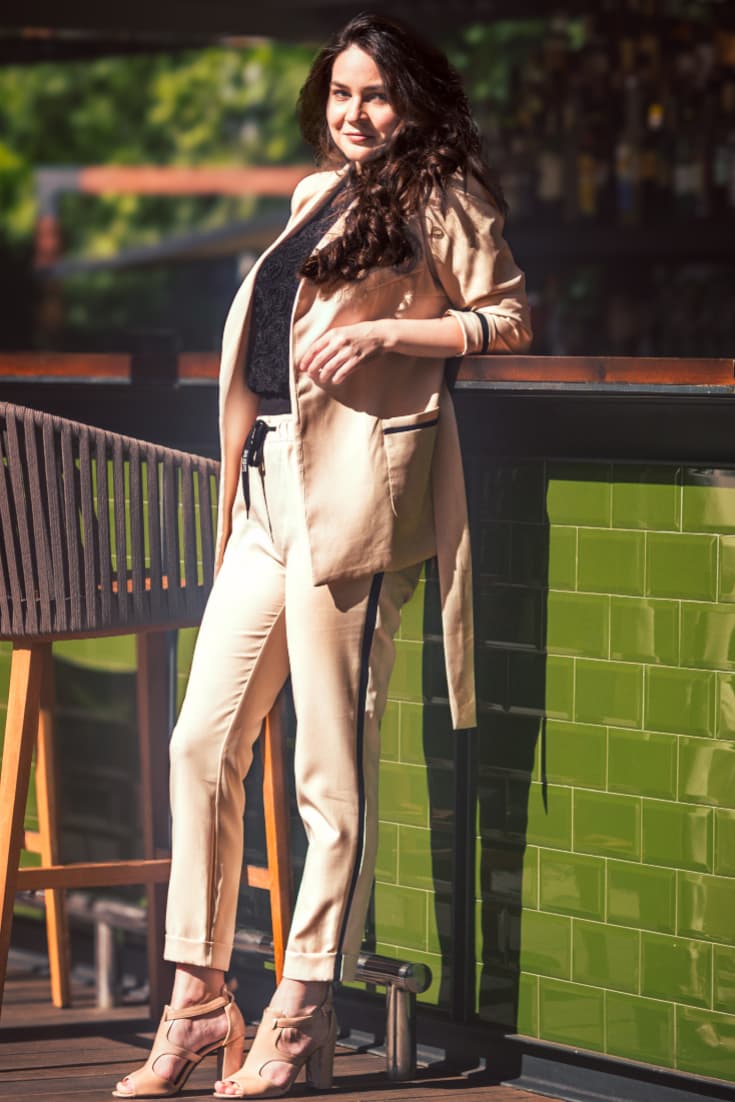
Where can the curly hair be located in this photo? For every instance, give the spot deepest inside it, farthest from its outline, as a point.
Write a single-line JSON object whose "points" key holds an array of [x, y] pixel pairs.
{"points": [[438, 139]]}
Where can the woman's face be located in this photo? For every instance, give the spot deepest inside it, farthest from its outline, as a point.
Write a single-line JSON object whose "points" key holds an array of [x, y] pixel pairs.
{"points": [[360, 117]]}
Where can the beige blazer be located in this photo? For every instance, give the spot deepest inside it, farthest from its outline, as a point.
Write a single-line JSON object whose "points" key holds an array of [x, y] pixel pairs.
{"points": [[379, 453]]}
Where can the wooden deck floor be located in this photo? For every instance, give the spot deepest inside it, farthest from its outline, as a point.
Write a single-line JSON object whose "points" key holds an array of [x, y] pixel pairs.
{"points": [[77, 1055]]}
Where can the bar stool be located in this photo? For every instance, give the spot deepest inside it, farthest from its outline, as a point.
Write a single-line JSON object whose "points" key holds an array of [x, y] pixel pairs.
{"points": [[101, 534]]}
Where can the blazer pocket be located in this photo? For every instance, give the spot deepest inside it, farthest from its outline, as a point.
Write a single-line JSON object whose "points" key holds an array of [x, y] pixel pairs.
{"points": [[409, 449]]}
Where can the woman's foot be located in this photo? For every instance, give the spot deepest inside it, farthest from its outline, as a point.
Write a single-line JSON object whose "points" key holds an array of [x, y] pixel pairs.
{"points": [[193, 986], [293, 999]]}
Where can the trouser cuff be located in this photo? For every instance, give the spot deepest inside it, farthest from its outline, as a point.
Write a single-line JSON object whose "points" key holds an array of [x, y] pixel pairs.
{"points": [[321, 967], [206, 954]]}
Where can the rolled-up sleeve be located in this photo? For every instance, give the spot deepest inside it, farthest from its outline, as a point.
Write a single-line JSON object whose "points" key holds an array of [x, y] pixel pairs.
{"points": [[475, 267]]}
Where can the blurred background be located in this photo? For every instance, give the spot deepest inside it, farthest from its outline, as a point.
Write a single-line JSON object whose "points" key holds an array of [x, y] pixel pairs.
{"points": [[612, 126]]}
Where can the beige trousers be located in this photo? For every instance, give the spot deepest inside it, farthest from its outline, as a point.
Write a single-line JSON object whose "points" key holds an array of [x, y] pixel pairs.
{"points": [[264, 620]]}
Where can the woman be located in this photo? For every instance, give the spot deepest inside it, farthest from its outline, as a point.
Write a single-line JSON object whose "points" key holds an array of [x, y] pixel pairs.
{"points": [[333, 406]]}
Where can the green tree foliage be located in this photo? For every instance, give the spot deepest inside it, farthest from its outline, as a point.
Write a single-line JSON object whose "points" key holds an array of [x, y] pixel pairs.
{"points": [[212, 106]]}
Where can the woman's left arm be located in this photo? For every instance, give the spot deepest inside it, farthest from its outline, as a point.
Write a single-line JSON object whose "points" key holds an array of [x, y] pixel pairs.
{"points": [[488, 309]]}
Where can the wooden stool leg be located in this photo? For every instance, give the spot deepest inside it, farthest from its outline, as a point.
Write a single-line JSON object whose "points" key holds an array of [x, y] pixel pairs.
{"points": [[20, 734], [57, 926], [154, 679], [275, 806]]}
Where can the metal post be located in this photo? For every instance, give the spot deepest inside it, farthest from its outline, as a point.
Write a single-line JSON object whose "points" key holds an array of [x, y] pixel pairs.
{"points": [[400, 1033], [105, 959]]}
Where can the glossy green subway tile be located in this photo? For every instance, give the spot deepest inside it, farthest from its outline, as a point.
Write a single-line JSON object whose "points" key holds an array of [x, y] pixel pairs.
{"points": [[573, 753], [578, 623], [677, 836], [507, 743], [404, 795], [609, 692], [644, 630], [642, 897], [559, 687], [412, 615], [439, 923], [605, 956], [680, 701], [530, 886], [546, 947], [682, 566], [562, 563], [386, 865], [529, 556], [676, 969], [723, 974], [611, 562], [579, 493], [705, 1043], [642, 762], [707, 636], [498, 934], [527, 1019], [572, 884], [725, 705], [727, 568], [507, 874], [646, 497], [389, 731], [425, 858], [514, 491], [400, 915], [709, 500], [510, 615], [607, 824], [707, 772], [725, 843], [492, 676], [494, 559], [541, 683], [706, 907], [549, 810], [499, 993], [571, 1014], [639, 1029], [411, 728], [406, 681]]}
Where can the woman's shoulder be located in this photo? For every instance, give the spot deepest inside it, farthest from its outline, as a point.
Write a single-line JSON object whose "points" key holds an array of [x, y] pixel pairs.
{"points": [[311, 185], [463, 210]]}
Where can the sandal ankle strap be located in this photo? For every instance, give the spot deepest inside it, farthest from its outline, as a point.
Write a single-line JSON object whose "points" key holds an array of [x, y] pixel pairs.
{"points": [[172, 1013]]}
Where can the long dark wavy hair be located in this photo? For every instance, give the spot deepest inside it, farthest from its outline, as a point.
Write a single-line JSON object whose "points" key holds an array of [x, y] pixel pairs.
{"points": [[437, 140]]}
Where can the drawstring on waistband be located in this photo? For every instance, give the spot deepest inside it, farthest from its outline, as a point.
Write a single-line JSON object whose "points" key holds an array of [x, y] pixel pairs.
{"points": [[252, 455]]}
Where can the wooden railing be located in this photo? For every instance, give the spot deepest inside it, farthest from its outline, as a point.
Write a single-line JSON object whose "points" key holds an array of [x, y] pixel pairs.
{"points": [[203, 367]]}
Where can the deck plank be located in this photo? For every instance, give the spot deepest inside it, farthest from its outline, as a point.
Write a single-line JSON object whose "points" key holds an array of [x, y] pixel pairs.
{"points": [[80, 1053]]}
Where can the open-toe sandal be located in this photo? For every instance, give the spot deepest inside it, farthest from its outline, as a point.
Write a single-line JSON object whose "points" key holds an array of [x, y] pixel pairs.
{"points": [[146, 1082]]}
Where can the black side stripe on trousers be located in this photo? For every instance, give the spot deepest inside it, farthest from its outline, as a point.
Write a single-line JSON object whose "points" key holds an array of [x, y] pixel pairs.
{"points": [[371, 615]]}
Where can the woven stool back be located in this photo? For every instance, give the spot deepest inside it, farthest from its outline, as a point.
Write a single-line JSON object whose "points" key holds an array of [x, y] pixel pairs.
{"points": [[99, 532]]}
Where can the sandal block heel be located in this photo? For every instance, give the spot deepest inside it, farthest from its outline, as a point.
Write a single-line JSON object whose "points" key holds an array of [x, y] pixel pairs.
{"points": [[320, 1064], [230, 1057], [319, 1030]]}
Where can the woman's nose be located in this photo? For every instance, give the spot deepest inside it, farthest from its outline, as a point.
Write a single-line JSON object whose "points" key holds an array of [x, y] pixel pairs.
{"points": [[354, 108]]}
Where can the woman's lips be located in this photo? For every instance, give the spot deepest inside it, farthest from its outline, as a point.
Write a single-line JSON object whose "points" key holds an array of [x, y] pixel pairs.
{"points": [[358, 137]]}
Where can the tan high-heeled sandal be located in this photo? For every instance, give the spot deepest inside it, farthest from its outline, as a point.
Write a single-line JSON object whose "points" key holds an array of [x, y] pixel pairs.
{"points": [[320, 1026], [148, 1083]]}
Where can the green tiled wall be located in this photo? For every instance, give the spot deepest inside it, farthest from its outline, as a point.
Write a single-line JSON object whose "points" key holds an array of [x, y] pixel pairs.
{"points": [[606, 809]]}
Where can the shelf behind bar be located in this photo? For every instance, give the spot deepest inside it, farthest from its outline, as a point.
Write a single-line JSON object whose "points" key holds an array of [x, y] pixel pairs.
{"points": [[593, 372]]}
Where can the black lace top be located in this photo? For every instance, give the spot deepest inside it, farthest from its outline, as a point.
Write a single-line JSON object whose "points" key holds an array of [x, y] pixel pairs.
{"points": [[272, 304]]}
